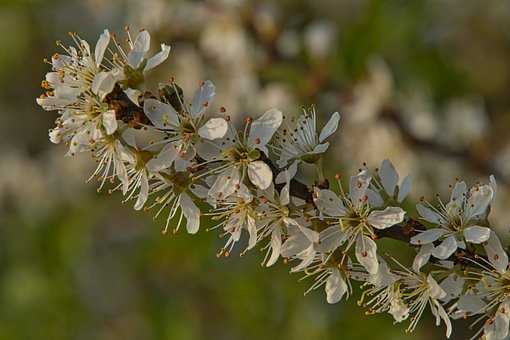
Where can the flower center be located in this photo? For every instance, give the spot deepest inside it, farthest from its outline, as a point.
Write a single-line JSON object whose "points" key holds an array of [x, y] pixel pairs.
{"points": [[241, 154]]}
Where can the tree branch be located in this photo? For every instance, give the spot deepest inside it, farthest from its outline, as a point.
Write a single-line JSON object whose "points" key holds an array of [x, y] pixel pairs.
{"points": [[479, 164]]}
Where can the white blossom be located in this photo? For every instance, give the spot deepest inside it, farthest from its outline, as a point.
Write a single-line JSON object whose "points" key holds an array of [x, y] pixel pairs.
{"points": [[236, 214], [274, 215], [489, 298], [240, 155], [298, 140], [457, 222], [175, 191], [185, 129], [355, 220]]}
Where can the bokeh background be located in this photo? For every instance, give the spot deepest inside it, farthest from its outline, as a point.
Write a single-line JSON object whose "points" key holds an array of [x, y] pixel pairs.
{"points": [[424, 83]]}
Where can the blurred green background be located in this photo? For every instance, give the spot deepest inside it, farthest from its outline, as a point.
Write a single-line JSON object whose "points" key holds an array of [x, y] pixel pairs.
{"points": [[424, 83]]}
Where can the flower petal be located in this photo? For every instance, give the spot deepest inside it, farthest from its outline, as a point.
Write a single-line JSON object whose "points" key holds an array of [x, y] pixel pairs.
{"points": [[311, 235], [374, 198], [458, 193], [295, 244], [109, 121], [285, 195], [103, 84], [389, 177], [140, 47], [328, 203], [102, 44], [203, 98], [191, 212], [404, 189], [276, 246], [366, 253], [335, 287], [330, 127], [320, 148], [446, 248], [428, 236], [144, 192], [494, 185], [358, 186], [214, 128], [158, 58], [288, 174], [478, 201], [164, 159], [263, 128], [382, 219], [133, 95], [440, 313], [399, 310], [199, 190], [260, 174], [207, 150], [225, 184], [162, 115], [307, 256], [429, 215], [477, 234], [498, 328], [252, 231], [453, 286], [470, 304], [436, 291], [330, 239], [423, 257], [495, 253]]}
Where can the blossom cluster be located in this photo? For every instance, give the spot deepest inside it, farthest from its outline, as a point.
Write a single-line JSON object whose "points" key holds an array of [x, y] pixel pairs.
{"points": [[174, 156]]}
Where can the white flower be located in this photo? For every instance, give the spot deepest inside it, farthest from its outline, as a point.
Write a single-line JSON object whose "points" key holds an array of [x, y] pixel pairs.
{"points": [[80, 85], [241, 155], [309, 246], [490, 298], [236, 213], [73, 73], [138, 179], [386, 186], [297, 140], [355, 220], [76, 88], [137, 169], [457, 222], [110, 159], [186, 128], [273, 218], [419, 290], [384, 294], [334, 278], [175, 190]]}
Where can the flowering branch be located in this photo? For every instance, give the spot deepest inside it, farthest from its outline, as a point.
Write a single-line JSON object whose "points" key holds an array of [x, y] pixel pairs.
{"points": [[167, 154]]}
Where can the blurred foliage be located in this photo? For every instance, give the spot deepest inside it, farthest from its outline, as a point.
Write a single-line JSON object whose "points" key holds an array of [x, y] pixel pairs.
{"points": [[77, 265]]}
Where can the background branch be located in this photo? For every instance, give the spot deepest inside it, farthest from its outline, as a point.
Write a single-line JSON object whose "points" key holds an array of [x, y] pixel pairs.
{"points": [[476, 162]]}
